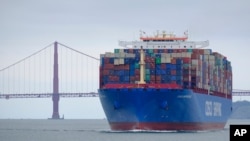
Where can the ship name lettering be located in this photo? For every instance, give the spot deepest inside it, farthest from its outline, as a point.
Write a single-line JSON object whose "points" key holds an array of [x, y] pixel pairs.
{"points": [[212, 108]]}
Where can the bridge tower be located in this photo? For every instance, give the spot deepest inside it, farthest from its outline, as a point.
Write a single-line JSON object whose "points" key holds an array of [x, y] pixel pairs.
{"points": [[55, 96]]}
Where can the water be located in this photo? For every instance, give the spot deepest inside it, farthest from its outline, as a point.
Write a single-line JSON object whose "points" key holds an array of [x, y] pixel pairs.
{"points": [[96, 130]]}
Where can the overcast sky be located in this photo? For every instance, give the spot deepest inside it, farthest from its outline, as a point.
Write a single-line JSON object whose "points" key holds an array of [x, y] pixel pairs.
{"points": [[95, 26]]}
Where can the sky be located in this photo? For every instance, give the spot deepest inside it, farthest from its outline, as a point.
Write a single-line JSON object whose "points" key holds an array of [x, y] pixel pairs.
{"points": [[95, 27]]}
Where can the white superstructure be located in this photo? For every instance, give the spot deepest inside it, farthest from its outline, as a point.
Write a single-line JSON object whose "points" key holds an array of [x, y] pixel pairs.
{"points": [[161, 41]]}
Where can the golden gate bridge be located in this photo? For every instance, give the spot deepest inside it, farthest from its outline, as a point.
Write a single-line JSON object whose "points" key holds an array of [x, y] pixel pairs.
{"points": [[74, 72]]}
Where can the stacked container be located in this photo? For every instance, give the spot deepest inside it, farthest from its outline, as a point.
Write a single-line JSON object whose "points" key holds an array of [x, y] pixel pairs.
{"points": [[189, 68]]}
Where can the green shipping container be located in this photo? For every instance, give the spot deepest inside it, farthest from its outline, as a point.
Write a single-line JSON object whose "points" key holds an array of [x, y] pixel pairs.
{"points": [[189, 50], [152, 55], [137, 66], [158, 61], [117, 51], [150, 51], [147, 77]]}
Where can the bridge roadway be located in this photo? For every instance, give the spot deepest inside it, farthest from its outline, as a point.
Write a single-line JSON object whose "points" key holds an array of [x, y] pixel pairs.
{"points": [[48, 95], [91, 94]]}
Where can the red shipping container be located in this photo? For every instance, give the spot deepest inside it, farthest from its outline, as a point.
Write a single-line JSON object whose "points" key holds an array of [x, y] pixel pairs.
{"points": [[173, 61], [152, 59], [179, 50], [195, 56], [186, 60], [105, 72], [158, 82], [120, 67], [117, 79], [173, 72], [149, 59], [132, 79], [106, 60], [126, 67], [155, 50], [137, 78], [152, 77], [198, 51], [152, 82], [113, 78], [163, 66], [199, 62], [158, 78], [108, 66], [173, 82], [137, 72], [195, 51], [152, 65], [201, 51]]}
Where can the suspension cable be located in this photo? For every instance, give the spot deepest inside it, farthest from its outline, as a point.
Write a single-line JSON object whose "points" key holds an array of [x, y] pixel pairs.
{"points": [[79, 52], [26, 57]]}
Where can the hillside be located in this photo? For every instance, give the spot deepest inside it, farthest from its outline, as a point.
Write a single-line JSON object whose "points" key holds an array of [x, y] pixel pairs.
{"points": [[241, 110]]}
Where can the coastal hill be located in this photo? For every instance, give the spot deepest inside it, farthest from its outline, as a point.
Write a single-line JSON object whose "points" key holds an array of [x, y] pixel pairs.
{"points": [[241, 110]]}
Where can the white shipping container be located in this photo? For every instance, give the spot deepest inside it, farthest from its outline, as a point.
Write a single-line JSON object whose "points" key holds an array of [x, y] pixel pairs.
{"points": [[163, 54], [207, 51], [121, 50], [211, 57], [117, 55], [168, 60], [106, 54], [183, 54], [116, 61], [178, 55], [205, 86], [163, 60], [112, 55], [206, 57], [194, 62], [109, 55], [167, 55], [173, 54], [199, 85], [198, 73], [122, 55], [201, 57], [211, 63], [188, 54], [121, 61], [129, 55]]}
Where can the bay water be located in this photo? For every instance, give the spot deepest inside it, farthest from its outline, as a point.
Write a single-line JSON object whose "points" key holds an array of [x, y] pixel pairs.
{"points": [[97, 130]]}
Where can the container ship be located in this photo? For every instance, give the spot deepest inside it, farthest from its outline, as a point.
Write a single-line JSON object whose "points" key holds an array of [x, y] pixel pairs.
{"points": [[165, 82]]}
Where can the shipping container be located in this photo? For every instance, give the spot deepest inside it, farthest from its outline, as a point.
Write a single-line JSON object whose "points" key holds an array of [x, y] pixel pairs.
{"points": [[189, 68]]}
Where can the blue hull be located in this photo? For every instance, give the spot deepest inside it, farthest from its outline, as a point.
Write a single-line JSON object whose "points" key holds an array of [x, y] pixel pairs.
{"points": [[164, 109]]}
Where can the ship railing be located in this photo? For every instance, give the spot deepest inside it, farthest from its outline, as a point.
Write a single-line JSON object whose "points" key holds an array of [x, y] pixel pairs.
{"points": [[158, 45]]}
